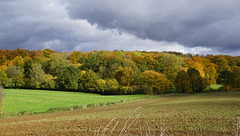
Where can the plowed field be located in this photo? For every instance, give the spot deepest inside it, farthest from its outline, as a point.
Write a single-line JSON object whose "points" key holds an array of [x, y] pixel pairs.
{"points": [[198, 114]]}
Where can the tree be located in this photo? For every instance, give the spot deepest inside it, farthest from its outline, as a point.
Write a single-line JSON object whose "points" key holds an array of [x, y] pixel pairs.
{"points": [[205, 67], [227, 78], [111, 86], [221, 62], [101, 85], [169, 64], [69, 78], [14, 71], [236, 71], [149, 61], [3, 76], [198, 83], [124, 76], [56, 65], [75, 57], [18, 61], [182, 82], [16, 77], [48, 82], [157, 81], [27, 67], [91, 62], [36, 75], [89, 80]]}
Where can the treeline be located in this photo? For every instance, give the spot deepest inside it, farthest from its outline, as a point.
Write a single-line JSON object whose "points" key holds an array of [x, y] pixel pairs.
{"points": [[117, 72]]}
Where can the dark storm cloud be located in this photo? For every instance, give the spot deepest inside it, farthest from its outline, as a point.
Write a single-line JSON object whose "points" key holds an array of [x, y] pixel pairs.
{"points": [[27, 24], [207, 26], [43, 24], [194, 23]]}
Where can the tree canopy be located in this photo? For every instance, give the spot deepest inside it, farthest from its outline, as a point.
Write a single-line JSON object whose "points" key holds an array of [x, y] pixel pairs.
{"points": [[117, 72]]}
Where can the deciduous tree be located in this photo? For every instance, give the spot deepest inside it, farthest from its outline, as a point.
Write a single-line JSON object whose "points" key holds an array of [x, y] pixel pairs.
{"points": [[182, 82], [89, 80], [227, 78], [157, 81], [197, 82], [124, 76]]}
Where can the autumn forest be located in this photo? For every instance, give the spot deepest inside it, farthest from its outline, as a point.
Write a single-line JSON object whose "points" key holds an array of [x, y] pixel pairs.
{"points": [[118, 72]]}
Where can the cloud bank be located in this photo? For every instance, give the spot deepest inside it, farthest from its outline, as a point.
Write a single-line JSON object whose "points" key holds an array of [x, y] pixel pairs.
{"points": [[207, 23], [208, 26]]}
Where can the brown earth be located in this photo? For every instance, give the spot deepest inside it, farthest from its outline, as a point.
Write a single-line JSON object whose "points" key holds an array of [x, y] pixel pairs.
{"points": [[157, 115]]}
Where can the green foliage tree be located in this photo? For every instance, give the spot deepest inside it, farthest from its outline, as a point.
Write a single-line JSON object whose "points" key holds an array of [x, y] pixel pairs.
{"points": [[39, 79], [89, 80], [221, 62], [14, 71], [91, 61], [36, 75], [16, 77], [227, 78], [27, 67], [236, 71], [111, 86], [48, 82], [3, 77], [182, 82], [69, 78], [157, 81], [169, 64], [56, 65], [198, 84]]}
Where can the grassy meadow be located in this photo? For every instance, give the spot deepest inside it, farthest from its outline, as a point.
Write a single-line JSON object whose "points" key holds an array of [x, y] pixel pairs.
{"points": [[192, 114], [18, 100]]}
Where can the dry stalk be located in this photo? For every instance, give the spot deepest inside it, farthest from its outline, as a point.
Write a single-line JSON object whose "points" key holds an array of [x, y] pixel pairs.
{"points": [[131, 124], [238, 127], [105, 129], [128, 124], [124, 128], [96, 133], [113, 128]]}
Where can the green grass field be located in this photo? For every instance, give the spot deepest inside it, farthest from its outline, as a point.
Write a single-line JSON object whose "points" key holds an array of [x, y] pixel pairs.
{"points": [[18, 100]]}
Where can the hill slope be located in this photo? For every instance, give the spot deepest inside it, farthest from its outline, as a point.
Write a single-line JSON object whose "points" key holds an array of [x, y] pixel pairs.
{"points": [[198, 114], [18, 100]]}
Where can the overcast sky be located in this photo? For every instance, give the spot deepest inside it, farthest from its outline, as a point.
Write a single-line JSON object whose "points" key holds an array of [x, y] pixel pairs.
{"points": [[188, 26]]}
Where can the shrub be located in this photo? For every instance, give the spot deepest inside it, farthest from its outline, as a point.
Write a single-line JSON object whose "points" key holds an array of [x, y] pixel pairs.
{"points": [[141, 89], [126, 90]]}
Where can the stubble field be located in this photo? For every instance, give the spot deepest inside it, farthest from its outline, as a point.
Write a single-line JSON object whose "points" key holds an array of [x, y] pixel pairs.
{"points": [[197, 114]]}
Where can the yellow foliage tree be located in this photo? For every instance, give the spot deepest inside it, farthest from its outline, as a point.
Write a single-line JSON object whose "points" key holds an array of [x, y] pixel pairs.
{"points": [[157, 81], [124, 76]]}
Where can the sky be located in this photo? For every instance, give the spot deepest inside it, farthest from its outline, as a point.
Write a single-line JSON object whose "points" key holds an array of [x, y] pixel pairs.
{"points": [[187, 26]]}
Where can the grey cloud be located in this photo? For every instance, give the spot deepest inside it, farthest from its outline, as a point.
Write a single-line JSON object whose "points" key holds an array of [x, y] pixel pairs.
{"points": [[66, 25], [193, 23], [42, 24]]}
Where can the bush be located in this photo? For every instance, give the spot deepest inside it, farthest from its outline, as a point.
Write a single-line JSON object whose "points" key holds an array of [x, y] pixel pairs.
{"points": [[141, 89], [126, 90]]}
